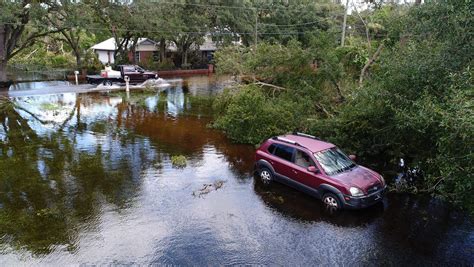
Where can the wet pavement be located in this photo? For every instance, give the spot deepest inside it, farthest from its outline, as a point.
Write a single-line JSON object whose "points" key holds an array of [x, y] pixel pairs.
{"points": [[87, 178], [61, 87]]}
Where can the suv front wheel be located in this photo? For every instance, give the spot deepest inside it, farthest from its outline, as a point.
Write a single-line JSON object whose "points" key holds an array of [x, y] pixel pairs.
{"points": [[331, 202], [266, 176]]}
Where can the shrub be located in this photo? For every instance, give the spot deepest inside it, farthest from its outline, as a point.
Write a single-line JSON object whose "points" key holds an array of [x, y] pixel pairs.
{"points": [[249, 116], [166, 64], [178, 161]]}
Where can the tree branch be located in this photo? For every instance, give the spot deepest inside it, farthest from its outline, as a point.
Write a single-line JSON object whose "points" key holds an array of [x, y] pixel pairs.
{"points": [[369, 63], [262, 84], [30, 40]]}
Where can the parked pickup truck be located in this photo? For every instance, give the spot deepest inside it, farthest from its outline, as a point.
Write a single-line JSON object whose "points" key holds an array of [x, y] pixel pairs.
{"points": [[134, 72]]}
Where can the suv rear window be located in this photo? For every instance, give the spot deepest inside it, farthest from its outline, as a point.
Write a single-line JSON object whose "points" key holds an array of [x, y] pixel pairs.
{"points": [[284, 152]]}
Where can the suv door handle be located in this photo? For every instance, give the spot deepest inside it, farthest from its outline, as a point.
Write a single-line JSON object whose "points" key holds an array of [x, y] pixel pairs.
{"points": [[295, 172]]}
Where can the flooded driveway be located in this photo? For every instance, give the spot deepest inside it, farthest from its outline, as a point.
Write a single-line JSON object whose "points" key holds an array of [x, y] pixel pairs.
{"points": [[88, 178]]}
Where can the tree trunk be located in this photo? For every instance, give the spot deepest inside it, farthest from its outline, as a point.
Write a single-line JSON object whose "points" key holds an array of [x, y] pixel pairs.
{"points": [[184, 57], [4, 83], [162, 49], [3, 56], [133, 50], [78, 59]]}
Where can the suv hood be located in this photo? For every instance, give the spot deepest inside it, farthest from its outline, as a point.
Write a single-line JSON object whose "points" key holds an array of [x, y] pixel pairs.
{"points": [[360, 177]]}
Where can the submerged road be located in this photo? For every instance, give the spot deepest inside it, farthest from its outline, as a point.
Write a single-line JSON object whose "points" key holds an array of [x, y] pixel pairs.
{"points": [[83, 88]]}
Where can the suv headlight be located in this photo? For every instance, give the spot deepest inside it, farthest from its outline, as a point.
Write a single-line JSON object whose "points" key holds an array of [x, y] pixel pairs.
{"points": [[356, 192]]}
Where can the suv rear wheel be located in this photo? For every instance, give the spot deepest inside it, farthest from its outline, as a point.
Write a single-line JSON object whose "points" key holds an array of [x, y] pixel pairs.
{"points": [[266, 176], [331, 202]]}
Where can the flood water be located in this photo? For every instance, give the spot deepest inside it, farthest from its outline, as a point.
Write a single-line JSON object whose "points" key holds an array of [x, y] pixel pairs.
{"points": [[88, 179]]}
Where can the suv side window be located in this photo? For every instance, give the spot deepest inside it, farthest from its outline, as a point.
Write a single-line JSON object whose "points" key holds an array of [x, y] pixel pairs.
{"points": [[302, 159], [271, 148], [284, 152]]}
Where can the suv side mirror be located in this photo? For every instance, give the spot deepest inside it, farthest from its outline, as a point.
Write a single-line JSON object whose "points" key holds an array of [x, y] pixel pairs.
{"points": [[352, 157], [313, 169]]}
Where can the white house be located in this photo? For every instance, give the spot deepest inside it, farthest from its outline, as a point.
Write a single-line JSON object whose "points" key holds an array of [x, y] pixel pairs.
{"points": [[105, 50], [144, 49], [147, 49]]}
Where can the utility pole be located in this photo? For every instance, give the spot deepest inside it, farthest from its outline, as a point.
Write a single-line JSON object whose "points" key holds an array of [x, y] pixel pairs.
{"points": [[344, 23]]}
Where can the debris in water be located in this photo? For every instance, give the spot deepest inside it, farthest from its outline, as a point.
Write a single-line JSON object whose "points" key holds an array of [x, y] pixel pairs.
{"points": [[150, 83], [178, 161], [218, 184], [207, 188]]}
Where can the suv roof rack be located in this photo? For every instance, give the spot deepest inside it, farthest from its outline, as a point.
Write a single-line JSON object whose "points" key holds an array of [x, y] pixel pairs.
{"points": [[306, 135], [286, 140]]}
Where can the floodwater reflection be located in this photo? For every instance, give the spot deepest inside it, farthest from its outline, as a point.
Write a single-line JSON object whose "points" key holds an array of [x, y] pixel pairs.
{"points": [[87, 178]]}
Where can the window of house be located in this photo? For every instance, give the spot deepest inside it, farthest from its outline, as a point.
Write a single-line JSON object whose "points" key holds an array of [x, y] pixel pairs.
{"points": [[284, 152], [137, 56], [156, 56]]}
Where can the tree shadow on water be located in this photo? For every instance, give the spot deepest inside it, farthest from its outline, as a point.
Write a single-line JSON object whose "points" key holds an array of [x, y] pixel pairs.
{"points": [[50, 187]]}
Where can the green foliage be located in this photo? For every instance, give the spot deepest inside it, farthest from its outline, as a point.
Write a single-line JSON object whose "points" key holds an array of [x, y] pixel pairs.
{"points": [[36, 56], [302, 16], [91, 62], [418, 104], [454, 159], [250, 116], [286, 88], [166, 64]]}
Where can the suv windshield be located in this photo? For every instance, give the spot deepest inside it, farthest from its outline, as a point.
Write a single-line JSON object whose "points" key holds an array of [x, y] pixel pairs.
{"points": [[334, 161]]}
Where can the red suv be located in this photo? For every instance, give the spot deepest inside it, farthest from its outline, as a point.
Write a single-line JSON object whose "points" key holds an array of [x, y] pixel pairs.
{"points": [[320, 169]]}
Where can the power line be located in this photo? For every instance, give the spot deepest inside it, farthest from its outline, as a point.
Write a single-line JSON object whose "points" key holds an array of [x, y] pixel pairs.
{"points": [[224, 6], [174, 32], [290, 25]]}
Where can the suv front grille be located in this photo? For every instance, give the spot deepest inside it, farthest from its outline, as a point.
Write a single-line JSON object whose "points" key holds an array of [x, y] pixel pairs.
{"points": [[376, 187]]}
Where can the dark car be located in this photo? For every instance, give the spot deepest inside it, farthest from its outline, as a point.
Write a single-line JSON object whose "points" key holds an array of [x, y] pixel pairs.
{"points": [[320, 169], [136, 73]]}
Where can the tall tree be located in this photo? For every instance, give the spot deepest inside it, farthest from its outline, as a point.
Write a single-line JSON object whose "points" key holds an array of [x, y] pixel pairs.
{"points": [[191, 25], [21, 23], [120, 19], [73, 20]]}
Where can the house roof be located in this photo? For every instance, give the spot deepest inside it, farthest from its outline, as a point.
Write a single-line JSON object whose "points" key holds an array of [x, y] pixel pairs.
{"points": [[110, 45], [146, 41]]}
